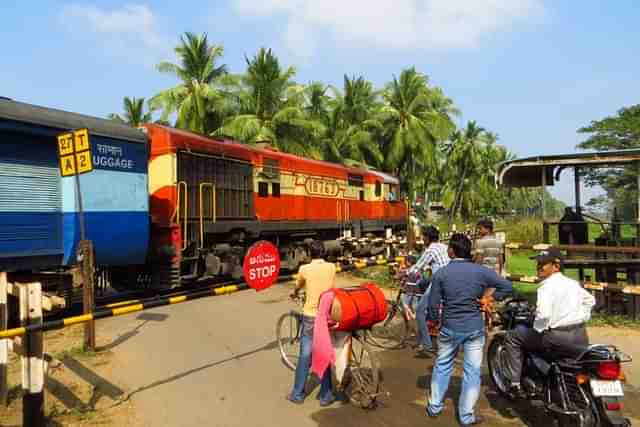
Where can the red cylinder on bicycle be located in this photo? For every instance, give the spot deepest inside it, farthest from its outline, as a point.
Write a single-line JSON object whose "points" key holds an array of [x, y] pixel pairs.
{"points": [[358, 307]]}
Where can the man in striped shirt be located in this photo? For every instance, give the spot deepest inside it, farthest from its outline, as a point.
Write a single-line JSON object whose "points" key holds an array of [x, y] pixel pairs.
{"points": [[436, 257]]}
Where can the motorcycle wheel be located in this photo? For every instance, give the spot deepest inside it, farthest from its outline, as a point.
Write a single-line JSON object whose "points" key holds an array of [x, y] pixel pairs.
{"points": [[496, 360]]}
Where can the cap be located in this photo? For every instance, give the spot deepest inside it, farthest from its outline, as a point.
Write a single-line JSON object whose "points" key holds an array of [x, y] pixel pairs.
{"points": [[549, 255]]}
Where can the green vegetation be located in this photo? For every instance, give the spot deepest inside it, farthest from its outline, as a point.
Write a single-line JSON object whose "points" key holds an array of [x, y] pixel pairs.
{"points": [[379, 275], [73, 353], [81, 412], [405, 128], [621, 131], [134, 113]]}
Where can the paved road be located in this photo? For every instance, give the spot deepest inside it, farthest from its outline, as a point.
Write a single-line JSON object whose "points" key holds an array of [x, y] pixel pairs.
{"points": [[215, 362]]}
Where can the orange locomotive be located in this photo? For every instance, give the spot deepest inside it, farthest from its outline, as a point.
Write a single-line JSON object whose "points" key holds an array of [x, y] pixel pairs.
{"points": [[212, 198]]}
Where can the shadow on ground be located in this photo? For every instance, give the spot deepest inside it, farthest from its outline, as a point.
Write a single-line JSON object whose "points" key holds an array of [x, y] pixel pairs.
{"points": [[407, 378]]}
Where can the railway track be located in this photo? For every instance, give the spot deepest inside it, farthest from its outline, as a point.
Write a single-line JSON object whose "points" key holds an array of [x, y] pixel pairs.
{"points": [[122, 299]]}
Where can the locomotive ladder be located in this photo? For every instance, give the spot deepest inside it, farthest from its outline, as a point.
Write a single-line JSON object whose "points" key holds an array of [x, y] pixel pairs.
{"points": [[182, 211], [207, 212]]}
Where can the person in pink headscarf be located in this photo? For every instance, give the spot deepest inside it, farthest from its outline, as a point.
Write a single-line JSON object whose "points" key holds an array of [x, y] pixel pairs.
{"points": [[316, 278]]}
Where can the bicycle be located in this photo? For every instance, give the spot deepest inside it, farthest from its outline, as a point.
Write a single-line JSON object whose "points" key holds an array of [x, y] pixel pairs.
{"points": [[393, 331], [361, 380]]}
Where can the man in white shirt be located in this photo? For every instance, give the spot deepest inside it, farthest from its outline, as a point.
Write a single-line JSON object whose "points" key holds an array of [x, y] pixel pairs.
{"points": [[562, 309]]}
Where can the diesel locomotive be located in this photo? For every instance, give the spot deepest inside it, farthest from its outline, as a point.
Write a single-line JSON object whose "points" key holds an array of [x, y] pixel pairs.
{"points": [[167, 207]]}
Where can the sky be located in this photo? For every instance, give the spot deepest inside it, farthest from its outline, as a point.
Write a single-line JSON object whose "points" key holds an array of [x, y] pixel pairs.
{"points": [[532, 71]]}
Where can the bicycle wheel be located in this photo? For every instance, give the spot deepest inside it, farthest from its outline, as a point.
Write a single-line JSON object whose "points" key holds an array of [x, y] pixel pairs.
{"points": [[362, 377], [393, 331], [288, 334]]}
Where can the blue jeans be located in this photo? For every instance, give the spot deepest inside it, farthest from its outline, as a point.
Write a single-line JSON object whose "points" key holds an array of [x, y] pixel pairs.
{"points": [[304, 365], [422, 335], [448, 345]]}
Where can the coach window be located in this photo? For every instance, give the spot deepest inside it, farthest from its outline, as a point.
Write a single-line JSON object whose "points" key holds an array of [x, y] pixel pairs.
{"points": [[275, 189], [378, 188], [263, 189]]}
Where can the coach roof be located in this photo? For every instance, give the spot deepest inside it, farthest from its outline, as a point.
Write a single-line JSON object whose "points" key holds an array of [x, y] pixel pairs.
{"points": [[64, 120]]}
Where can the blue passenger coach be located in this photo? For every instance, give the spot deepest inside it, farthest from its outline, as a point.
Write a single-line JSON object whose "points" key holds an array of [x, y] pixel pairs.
{"points": [[39, 221]]}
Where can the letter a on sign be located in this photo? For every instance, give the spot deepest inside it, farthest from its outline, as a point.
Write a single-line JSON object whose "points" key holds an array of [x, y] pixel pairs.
{"points": [[67, 165], [261, 265]]}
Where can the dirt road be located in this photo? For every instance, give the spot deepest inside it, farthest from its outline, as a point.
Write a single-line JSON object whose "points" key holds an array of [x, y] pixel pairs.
{"points": [[215, 362]]}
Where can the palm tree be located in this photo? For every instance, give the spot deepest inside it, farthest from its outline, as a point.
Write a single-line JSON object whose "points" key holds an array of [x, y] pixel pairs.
{"points": [[352, 131], [464, 153], [271, 109], [199, 99], [134, 113], [416, 117], [317, 102]]}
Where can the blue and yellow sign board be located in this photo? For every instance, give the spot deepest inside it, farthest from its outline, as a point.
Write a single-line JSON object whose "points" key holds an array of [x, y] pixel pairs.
{"points": [[74, 150]]}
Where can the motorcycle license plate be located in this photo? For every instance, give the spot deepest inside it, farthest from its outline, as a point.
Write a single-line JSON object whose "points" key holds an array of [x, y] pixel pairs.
{"points": [[606, 388]]}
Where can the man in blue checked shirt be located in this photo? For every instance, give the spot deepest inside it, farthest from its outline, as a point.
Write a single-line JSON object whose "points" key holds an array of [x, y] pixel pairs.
{"points": [[459, 287], [435, 256]]}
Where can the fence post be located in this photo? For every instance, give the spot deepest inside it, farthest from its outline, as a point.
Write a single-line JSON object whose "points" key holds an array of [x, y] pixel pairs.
{"points": [[87, 266], [4, 344], [32, 357]]}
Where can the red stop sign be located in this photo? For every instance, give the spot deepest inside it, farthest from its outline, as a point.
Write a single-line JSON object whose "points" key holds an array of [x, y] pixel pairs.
{"points": [[261, 265]]}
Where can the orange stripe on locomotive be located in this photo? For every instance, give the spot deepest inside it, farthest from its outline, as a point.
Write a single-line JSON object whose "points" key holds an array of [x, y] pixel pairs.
{"points": [[309, 190]]}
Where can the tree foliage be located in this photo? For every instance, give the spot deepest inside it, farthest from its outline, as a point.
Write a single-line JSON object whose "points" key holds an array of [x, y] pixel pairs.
{"points": [[621, 131], [199, 99], [405, 128], [133, 112]]}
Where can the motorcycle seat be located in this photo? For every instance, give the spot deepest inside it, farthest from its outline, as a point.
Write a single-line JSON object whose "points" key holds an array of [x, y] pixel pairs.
{"points": [[596, 352]]}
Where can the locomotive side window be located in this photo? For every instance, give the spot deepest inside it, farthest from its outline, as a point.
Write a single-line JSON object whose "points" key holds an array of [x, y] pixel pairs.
{"points": [[378, 188], [356, 180], [263, 189], [275, 189], [392, 193], [361, 195]]}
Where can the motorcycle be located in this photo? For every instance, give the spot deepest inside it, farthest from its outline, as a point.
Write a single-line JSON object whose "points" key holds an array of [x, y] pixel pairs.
{"points": [[582, 391]]}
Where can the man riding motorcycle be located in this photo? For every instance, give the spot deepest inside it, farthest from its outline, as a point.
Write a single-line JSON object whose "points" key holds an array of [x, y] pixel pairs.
{"points": [[562, 309]]}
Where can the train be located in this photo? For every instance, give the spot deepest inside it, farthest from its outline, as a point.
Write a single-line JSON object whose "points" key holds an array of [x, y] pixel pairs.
{"points": [[168, 207]]}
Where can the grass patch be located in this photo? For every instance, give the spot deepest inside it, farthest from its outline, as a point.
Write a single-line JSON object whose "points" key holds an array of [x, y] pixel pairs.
{"points": [[15, 392], [614, 320], [81, 412], [74, 352], [529, 291], [520, 263], [379, 275], [526, 290]]}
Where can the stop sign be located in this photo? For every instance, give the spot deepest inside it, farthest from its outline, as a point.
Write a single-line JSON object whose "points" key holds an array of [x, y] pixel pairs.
{"points": [[261, 265]]}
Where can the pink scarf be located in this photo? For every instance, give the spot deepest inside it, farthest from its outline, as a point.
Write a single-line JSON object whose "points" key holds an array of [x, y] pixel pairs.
{"points": [[322, 351]]}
